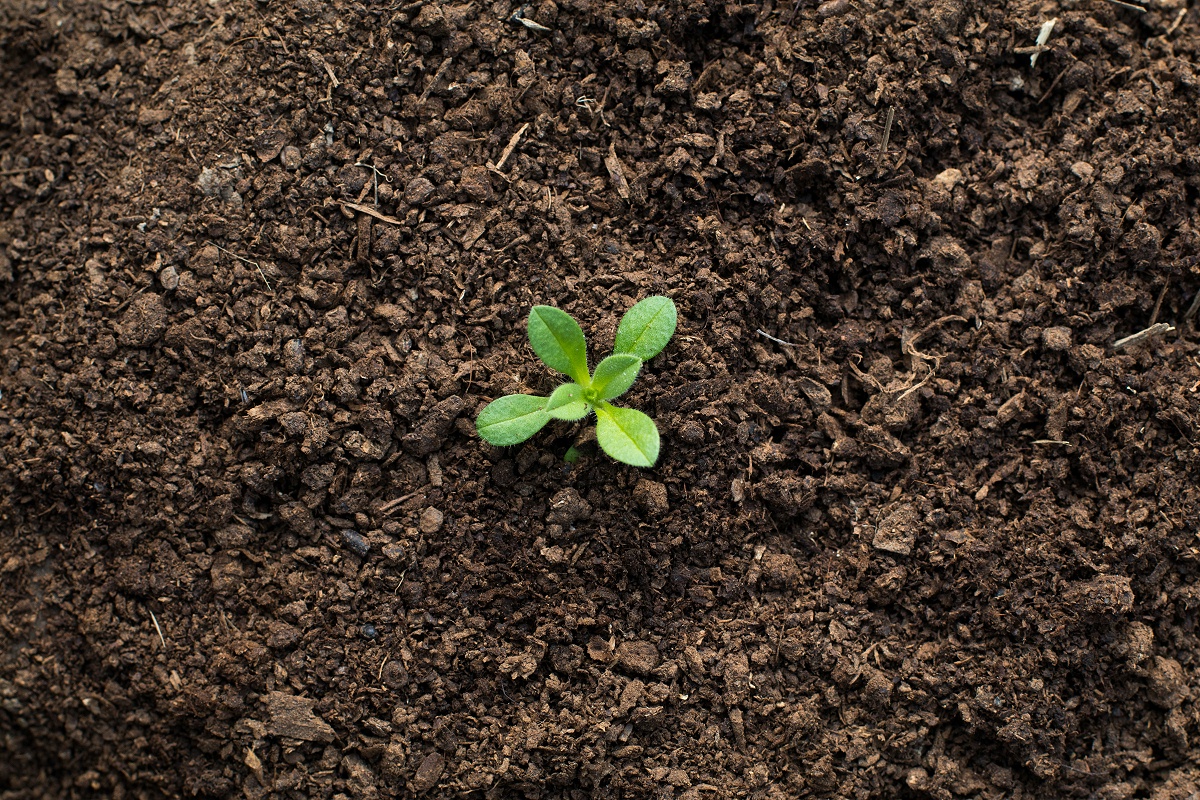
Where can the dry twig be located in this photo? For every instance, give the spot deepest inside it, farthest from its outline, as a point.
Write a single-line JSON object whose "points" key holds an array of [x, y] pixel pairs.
{"points": [[372, 212], [1142, 335]]}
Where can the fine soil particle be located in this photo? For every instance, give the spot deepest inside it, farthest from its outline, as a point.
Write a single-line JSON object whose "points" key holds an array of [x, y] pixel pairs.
{"points": [[918, 529]]}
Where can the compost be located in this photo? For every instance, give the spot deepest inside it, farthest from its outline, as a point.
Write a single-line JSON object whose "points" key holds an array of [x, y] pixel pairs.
{"points": [[925, 520]]}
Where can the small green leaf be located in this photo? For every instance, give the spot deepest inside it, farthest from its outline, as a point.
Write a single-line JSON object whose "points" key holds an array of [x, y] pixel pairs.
{"points": [[615, 374], [566, 402], [647, 327], [580, 451], [512, 419], [629, 436], [558, 340]]}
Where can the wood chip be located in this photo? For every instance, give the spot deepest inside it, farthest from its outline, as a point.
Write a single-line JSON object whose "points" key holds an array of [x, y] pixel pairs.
{"points": [[476, 229], [293, 718], [512, 145], [616, 172], [428, 773]]}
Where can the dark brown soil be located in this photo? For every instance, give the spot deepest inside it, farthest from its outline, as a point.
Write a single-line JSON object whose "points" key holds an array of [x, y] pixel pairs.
{"points": [[919, 528]]}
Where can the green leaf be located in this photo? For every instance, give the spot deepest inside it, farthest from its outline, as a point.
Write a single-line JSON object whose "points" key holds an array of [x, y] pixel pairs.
{"points": [[614, 375], [566, 402], [647, 327], [629, 436], [512, 419], [558, 340]]}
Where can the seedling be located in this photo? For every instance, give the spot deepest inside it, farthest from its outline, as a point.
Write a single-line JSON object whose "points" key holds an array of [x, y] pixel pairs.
{"points": [[628, 435]]}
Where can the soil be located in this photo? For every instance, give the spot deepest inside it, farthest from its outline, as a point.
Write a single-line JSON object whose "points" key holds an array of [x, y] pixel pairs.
{"points": [[923, 525]]}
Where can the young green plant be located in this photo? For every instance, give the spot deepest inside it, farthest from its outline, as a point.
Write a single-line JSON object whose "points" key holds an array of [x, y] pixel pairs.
{"points": [[628, 435]]}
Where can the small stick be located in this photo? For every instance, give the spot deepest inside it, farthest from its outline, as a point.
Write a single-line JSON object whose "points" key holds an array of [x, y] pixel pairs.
{"points": [[377, 173], [1130, 6], [512, 145], [332, 77], [157, 628], [1193, 308], [386, 659], [1142, 335], [761, 332], [792, 16], [522, 239], [392, 505], [1053, 84], [437, 76], [1159, 301], [598, 112], [1178, 19], [133, 297], [372, 212], [887, 130]]}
